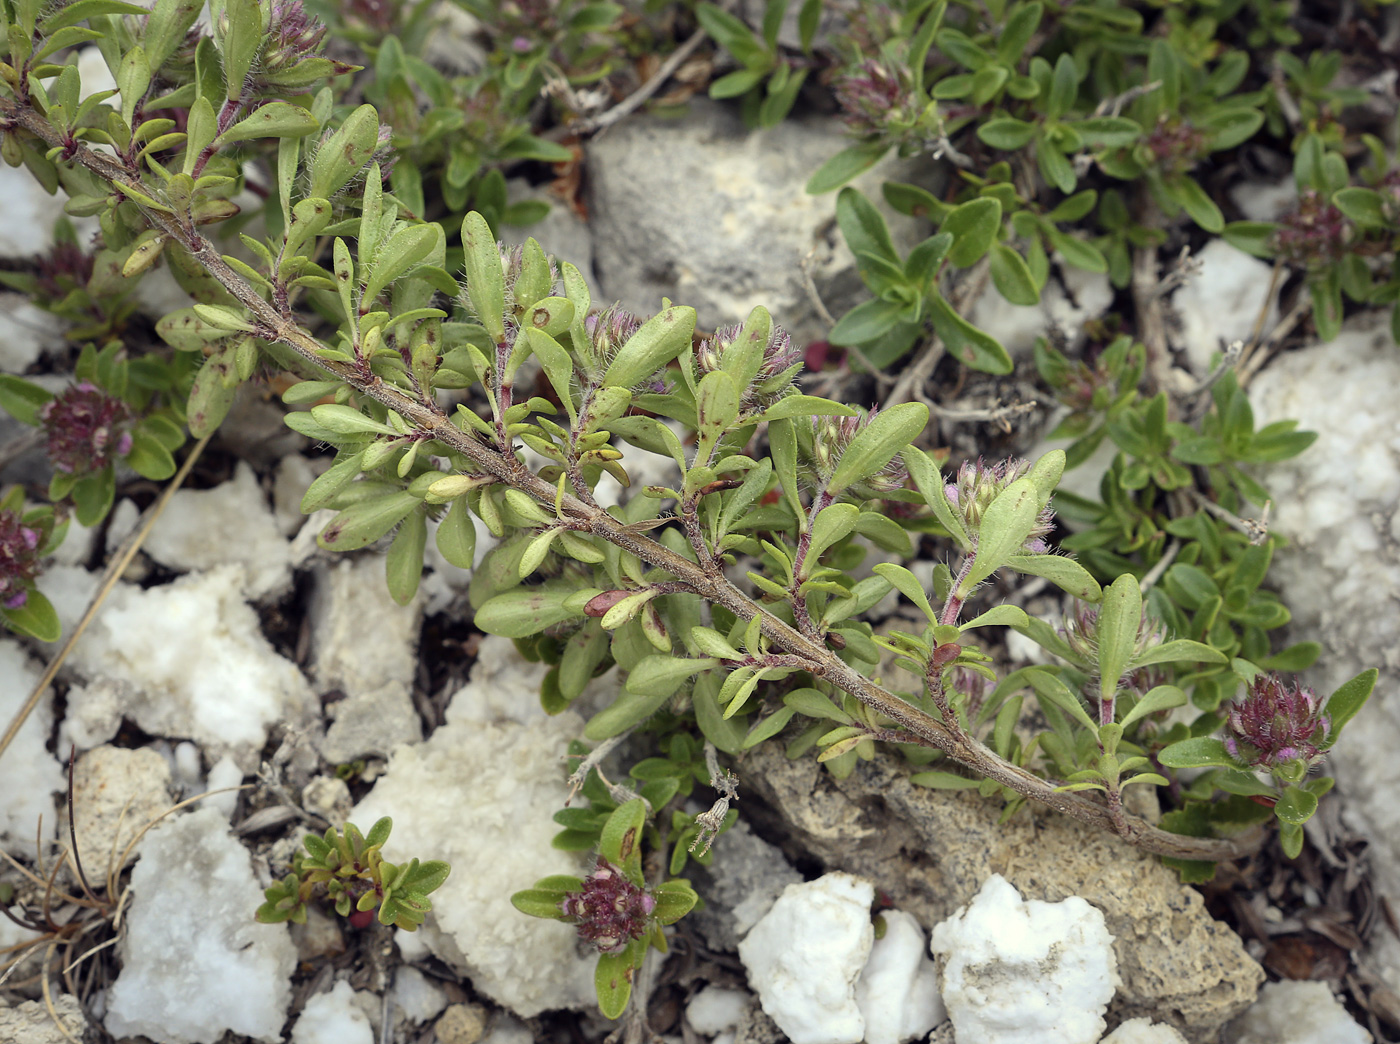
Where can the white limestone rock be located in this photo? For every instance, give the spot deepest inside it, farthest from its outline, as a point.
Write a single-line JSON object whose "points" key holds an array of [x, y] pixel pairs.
{"points": [[1018, 972], [29, 774], [1292, 1012], [1144, 1031], [416, 996], [805, 955], [1221, 303], [481, 796], [716, 1010], [184, 659], [194, 962], [333, 1018], [898, 990], [201, 529], [502, 686]]}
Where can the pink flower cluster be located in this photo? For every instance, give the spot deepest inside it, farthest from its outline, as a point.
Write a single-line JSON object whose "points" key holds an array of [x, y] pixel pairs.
{"points": [[1276, 723], [610, 910], [19, 560], [85, 429]]}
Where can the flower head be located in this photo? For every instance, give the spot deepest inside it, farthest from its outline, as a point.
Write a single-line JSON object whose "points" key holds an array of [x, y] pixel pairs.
{"points": [[1081, 633], [19, 560], [1176, 145], [830, 438], [781, 363], [610, 910], [291, 34], [1277, 725], [1315, 234], [608, 331], [977, 485], [873, 97], [85, 428]]}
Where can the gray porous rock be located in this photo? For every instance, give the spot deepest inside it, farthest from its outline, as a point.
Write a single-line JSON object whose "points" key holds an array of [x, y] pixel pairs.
{"points": [[710, 214], [931, 850]]}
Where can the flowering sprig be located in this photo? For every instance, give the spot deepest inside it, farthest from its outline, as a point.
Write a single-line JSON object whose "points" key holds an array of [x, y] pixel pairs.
{"points": [[1282, 729], [614, 908]]}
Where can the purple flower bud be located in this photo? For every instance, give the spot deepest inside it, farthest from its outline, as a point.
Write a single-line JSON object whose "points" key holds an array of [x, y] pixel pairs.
{"points": [[85, 428], [781, 363], [610, 910], [1277, 724]]}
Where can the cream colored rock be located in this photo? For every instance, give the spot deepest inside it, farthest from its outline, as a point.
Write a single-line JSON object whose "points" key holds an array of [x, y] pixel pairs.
{"points": [[116, 793]]}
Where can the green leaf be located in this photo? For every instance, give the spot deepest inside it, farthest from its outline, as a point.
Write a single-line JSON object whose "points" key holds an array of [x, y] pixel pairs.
{"points": [[404, 249], [613, 982], [663, 675], [1120, 615], [1160, 698], [346, 420], [1363, 205], [1198, 206], [731, 34], [975, 348], [1198, 752], [659, 340], [240, 43], [273, 120], [1346, 701], [815, 705], [999, 616], [845, 165], [1106, 132], [456, 535], [974, 226], [484, 275], [22, 400], [832, 524], [866, 322], [1006, 523], [877, 443], [907, 584], [403, 565], [366, 521], [1178, 651], [1006, 133], [36, 618], [524, 611], [944, 781], [621, 840], [1012, 276], [805, 406], [1065, 573], [149, 458], [864, 227], [929, 479], [1296, 806]]}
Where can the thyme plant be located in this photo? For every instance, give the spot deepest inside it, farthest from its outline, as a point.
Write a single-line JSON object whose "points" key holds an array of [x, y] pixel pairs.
{"points": [[731, 602]]}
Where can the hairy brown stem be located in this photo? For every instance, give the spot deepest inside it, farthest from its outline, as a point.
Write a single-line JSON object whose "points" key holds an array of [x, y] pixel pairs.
{"points": [[710, 584]]}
